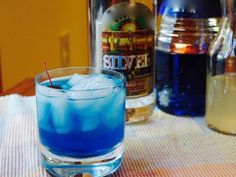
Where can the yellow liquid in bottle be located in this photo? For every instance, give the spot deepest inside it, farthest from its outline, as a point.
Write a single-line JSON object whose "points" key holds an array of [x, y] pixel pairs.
{"points": [[221, 103]]}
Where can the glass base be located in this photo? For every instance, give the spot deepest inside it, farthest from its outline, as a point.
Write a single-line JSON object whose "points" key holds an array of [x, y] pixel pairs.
{"points": [[139, 109], [221, 131], [183, 112], [96, 166]]}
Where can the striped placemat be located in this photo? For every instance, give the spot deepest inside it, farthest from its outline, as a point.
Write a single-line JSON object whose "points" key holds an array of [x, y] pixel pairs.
{"points": [[166, 146]]}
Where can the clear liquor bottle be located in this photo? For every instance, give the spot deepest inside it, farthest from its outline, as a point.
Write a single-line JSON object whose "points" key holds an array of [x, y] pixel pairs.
{"points": [[122, 39]]}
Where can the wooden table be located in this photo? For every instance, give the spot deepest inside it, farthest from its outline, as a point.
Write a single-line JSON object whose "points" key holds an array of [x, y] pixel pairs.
{"points": [[25, 88]]}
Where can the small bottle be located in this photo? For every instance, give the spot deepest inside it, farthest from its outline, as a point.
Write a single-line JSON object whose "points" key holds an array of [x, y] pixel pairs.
{"points": [[221, 75], [186, 29], [122, 39]]}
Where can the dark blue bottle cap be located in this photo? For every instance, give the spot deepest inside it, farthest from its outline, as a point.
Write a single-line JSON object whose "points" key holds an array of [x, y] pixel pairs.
{"points": [[191, 8]]}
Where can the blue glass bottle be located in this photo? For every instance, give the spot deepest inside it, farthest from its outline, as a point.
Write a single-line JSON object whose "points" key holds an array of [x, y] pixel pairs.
{"points": [[185, 31]]}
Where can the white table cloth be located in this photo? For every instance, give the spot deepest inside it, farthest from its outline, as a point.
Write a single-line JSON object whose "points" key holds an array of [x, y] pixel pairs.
{"points": [[166, 146]]}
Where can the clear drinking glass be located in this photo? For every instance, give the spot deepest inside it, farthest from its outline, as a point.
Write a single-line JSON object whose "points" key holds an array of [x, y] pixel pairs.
{"points": [[221, 75], [81, 118]]}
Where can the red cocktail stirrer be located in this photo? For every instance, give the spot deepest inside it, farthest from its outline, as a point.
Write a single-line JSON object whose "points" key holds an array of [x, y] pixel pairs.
{"points": [[46, 70]]}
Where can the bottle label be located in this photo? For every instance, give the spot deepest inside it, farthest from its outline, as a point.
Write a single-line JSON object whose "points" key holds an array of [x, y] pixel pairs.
{"points": [[128, 45]]}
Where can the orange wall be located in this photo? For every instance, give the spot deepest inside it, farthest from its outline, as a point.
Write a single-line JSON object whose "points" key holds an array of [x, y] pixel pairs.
{"points": [[30, 33]]}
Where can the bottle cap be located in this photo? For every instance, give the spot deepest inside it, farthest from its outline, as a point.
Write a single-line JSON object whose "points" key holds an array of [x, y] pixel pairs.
{"points": [[191, 8]]}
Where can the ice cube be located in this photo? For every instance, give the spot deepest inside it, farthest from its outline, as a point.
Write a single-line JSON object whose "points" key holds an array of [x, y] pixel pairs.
{"points": [[90, 121], [100, 93], [75, 78], [79, 89], [95, 86], [104, 85], [66, 87], [62, 115], [44, 112], [114, 114], [89, 114], [100, 81]]}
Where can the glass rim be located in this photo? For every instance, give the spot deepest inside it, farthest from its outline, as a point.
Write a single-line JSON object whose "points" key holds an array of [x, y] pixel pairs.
{"points": [[38, 76]]}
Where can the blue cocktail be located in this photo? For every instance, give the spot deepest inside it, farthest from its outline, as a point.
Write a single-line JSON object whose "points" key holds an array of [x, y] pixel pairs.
{"points": [[81, 120]]}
